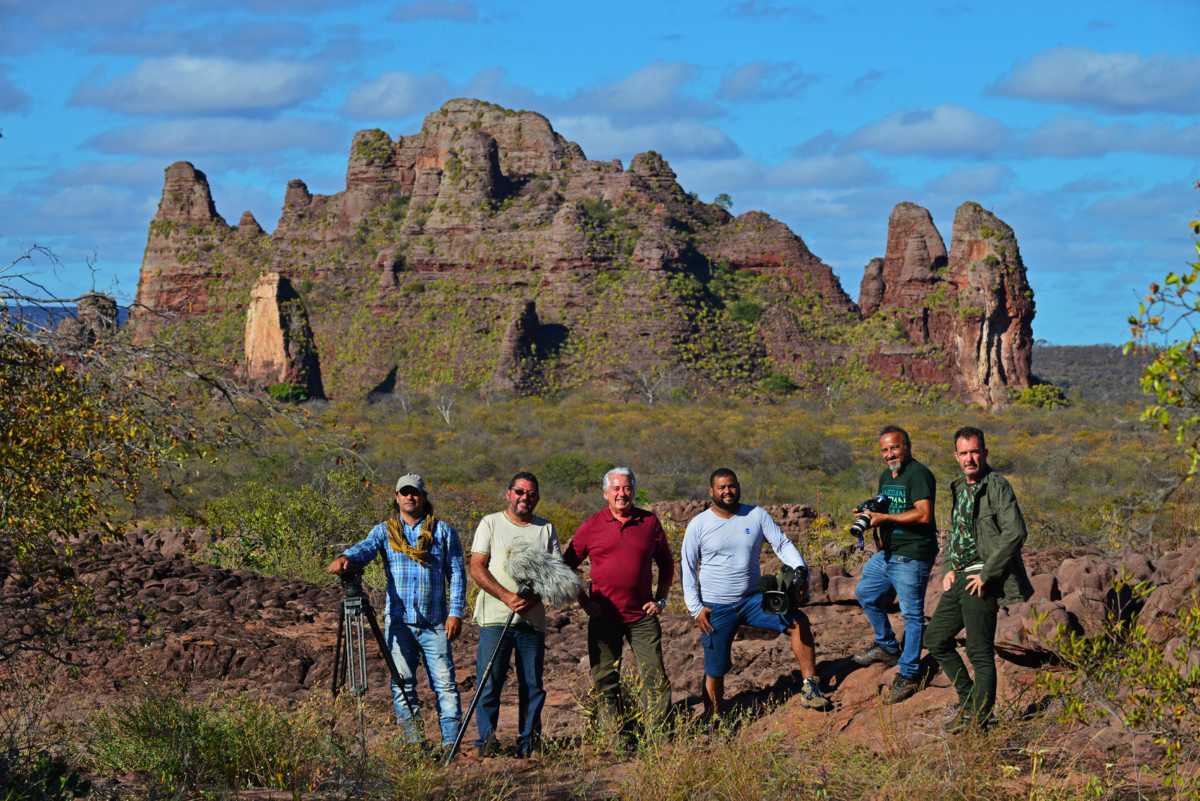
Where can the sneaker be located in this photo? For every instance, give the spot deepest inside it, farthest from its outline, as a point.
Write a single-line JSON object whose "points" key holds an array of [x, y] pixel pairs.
{"points": [[962, 720], [811, 695], [876, 653], [902, 688]]}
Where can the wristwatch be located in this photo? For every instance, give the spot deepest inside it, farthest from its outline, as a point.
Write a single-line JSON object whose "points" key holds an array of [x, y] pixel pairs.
{"points": [[662, 604]]}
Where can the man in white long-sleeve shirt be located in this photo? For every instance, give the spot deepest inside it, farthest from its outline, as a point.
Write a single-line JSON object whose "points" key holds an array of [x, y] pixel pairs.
{"points": [[721, 573]]}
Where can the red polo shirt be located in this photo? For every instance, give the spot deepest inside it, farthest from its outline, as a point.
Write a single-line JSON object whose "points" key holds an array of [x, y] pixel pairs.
{"points": [[620, 554]]}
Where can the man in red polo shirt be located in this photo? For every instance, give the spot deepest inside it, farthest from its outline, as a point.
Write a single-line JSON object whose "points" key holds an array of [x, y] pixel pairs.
{"points": [[621, 541]]}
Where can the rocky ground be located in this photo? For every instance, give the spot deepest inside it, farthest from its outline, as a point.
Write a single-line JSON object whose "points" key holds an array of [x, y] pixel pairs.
{"points": [[224, 631]]}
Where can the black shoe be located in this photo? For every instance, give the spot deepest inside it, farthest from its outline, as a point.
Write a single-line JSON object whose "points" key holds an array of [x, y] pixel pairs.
{"points": [[902, 688], [488, 748], [876, 653]]}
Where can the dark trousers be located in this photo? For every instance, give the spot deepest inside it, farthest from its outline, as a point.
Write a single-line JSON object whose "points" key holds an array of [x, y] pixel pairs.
{"points": [[606, 639], [958, 610], [530, 647]]}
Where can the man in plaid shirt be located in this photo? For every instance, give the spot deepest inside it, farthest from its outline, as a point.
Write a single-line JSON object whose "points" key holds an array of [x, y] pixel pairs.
{"points": [[422, 556]]}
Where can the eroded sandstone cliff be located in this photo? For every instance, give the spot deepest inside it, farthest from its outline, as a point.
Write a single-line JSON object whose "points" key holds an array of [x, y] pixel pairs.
{"points": [[488, 251]]}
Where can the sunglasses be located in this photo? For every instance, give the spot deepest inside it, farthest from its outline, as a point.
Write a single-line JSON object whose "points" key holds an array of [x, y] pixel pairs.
{"points": [[409, 492], [521, 493]]}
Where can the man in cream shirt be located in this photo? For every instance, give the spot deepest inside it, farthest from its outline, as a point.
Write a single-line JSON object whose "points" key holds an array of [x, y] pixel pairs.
{"points": [[494, 539]]}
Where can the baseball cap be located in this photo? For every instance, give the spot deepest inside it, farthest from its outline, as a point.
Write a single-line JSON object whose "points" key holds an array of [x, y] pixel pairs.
{"points": [[410, 480]]}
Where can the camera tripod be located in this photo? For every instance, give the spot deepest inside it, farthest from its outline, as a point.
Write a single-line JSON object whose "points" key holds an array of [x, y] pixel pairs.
{"points": [[350, 653]]}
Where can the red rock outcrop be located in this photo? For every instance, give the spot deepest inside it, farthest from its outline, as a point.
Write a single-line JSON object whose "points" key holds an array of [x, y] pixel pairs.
{"points": [[278, 341], [967, 317], [443, 229]]}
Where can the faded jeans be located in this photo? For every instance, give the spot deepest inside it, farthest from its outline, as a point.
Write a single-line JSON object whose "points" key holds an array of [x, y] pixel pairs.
{"points": [[411, 645], [882, 576]]}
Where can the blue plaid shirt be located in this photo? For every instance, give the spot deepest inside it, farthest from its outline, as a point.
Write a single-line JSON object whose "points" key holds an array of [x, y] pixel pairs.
{"points": [[417, 592]]}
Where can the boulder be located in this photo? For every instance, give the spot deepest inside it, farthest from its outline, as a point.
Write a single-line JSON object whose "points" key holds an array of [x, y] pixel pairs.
{"points": [[279, 345]]}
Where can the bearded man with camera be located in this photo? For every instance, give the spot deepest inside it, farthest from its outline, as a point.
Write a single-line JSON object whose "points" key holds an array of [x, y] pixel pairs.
{"points": [[906, 545], [722, 586], [422, 556]]}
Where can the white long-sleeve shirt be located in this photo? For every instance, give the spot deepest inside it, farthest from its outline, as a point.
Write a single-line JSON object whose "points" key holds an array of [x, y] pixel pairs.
{"points": [[720, 555]]}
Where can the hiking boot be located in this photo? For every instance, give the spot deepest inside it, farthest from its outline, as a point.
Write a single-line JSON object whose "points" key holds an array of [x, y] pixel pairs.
{"points": [[811, 695], [488, 748], [962, 720], [902, 688], [876, 653]]}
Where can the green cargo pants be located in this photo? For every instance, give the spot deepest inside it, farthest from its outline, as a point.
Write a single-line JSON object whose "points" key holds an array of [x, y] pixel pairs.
{"points": [[957, 610], [606, 639]]}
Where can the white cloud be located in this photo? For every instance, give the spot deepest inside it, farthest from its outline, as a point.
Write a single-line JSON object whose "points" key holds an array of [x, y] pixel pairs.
{"points": [[186, 84], [451, 10], [946, 130], [776, 10], [982, 179], [765, 80], [1073, 137], [654, 91], [186, 139], [399, 94], [1113, 82], [602, 138]]}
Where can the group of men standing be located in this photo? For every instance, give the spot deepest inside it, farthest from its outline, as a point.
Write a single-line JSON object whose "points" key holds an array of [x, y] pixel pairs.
{"points": [[426, 590]]}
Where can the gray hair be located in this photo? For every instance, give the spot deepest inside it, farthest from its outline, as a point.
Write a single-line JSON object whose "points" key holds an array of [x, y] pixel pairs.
{"points": [[621, 471]]}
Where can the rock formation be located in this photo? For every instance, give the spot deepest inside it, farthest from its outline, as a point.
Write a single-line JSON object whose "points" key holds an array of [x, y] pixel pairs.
{"points": [[967, 317], [95, 318], [278, 341], [441, 230]]}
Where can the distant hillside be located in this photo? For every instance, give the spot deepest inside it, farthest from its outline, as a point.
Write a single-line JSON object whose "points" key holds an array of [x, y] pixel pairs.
{"points": [[1091, 372], [50, 317]]}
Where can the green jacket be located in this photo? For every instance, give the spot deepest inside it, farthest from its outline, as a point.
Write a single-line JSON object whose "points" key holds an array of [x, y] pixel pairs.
{"points": [[999, 534]]}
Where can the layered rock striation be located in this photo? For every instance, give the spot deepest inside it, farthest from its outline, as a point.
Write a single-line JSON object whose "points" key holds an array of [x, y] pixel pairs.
{"points": [[966, 315], [488, 251]]}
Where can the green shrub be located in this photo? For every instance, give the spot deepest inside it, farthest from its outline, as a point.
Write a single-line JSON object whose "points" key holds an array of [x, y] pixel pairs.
{"points": [[182, 746], [1042, 396], [288, 393], [778, 384], [573, 471], [39, 776], [745, 311], [290, 531]]}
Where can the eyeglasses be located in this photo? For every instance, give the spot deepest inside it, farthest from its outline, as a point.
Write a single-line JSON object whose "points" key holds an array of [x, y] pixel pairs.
{"points": [[522, 493], [409, 492]]}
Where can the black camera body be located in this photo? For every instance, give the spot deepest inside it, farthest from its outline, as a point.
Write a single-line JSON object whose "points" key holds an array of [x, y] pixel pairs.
{"points": [[784, 592], [879, 504], [351, 579]]}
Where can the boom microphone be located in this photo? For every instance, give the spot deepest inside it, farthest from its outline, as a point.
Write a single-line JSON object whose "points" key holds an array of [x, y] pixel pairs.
{"points": [[544, 573]]}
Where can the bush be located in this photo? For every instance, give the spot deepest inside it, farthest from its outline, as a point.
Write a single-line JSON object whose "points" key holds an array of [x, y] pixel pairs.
{"points": [[288, 393], [745, 311], [290, 531], [1042, 396], [573, 471], [41, 776], [183, 746], [778, 384]]}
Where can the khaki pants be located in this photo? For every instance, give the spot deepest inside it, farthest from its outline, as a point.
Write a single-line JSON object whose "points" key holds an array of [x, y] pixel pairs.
{"points": [[606, 639]]}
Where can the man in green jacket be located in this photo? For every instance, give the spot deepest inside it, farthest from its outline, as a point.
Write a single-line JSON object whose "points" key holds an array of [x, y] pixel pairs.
{"points": [[983, 572]]}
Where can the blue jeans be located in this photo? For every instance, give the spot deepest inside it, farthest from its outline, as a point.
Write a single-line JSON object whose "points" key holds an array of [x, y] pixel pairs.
{"points": [[725, 619], [883, 576], [411, 645], [530, 647]]}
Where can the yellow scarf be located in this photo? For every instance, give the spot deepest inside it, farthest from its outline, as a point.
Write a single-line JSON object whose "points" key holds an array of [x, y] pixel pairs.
{"points": [[420, 552]]}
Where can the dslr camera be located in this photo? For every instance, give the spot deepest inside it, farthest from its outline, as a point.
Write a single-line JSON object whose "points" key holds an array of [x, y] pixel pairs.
{"points": [[784, 592], [880, 504]]}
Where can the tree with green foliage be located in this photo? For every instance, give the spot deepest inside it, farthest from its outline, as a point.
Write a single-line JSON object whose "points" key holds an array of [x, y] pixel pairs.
{"points": [[1167, 319]]}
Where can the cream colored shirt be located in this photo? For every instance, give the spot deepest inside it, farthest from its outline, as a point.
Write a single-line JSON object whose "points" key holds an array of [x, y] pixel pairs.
{"points": [[495, 537]]}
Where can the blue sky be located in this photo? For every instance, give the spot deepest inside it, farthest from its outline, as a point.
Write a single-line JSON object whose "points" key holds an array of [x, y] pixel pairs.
{"points": [[1078, 124]]}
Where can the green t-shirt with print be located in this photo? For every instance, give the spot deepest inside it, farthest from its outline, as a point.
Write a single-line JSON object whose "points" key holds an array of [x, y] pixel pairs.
{"points": [[914, 483]]}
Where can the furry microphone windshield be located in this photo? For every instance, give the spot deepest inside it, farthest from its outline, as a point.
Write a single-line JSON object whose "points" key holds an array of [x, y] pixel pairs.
{"points": [[543, 572]]}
